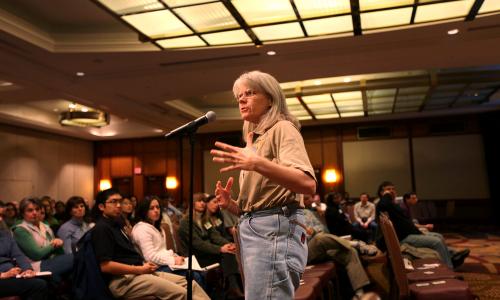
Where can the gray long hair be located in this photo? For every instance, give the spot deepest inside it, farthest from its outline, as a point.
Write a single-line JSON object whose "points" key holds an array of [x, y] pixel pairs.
{"points": [[268, 85]]}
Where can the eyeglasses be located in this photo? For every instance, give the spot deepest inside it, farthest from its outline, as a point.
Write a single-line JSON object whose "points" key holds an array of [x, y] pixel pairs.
{"points": [[246, 94], [115, 201]]}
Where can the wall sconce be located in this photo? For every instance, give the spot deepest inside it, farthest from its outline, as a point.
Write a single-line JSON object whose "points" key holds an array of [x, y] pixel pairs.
{"points": [[171, 183], [104, 184], [330, 176]]}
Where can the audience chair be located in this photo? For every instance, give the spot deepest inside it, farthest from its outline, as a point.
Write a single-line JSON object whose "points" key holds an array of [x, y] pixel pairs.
{"points": [[443, 289]]}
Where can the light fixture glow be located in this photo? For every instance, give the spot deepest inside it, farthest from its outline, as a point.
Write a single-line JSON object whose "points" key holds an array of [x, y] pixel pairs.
{"points": [[72, 105], [104, 184], [330, 176], [453, 31], [171, 183], [347, 79], [80, 74], [84, 109], [84, 118], [317, 82], [6, 83], [271, 53]]}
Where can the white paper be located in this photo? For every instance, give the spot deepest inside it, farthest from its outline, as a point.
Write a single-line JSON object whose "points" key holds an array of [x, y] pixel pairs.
{"points": [[195, 266], [45, 273]]}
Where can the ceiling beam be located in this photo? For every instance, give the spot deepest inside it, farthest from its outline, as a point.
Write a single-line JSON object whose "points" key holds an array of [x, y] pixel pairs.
{"points": [[297, 14], [433, 82], [474, 10], [364, 96], [304, 105], [414, 12], [395, 100], [460, 94], [243, 24], [356, 17], [335, 104]]}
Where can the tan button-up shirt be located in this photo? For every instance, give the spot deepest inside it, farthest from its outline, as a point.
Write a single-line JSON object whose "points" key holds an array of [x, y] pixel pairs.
{"points": [[282, 144]]}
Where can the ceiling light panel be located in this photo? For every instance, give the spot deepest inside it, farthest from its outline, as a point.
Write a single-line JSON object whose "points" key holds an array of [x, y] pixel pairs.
{"points": [[295, 107], [207, 17], [329, 25], [378, 4], [489, 6], [316, 8], [227, 37], [257, 12], [182, 42], [442, 11], [348, 101], [386, 18], [176, 3], [123, 7], [278, 32], [353, 114], [327, 116], [158, 24]]}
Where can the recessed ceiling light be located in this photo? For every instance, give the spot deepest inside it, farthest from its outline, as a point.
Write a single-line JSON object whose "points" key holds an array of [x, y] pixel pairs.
{"points": [[80, 74], [271, 53], [347, 79], [453, 31], [158, 130], [317, 82], [84, 109], [6, 83]]}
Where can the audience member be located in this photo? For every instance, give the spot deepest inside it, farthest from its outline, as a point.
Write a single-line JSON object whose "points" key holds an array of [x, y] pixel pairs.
{"points": [[337, 222], [127, 274], [128, 212], [149, 236], [11, 216], [60, 212], [210, 247], [323, 246], [364, 213], [410, 200], [73, 229], [14, 263], [408, 233], [39, 244], [46, 202]]}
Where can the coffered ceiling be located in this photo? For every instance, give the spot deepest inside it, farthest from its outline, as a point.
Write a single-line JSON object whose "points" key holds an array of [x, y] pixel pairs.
{"points": [[435, 67]]}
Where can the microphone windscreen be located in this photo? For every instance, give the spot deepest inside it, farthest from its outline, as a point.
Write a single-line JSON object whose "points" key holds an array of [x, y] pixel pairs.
{"points": [[211, 116]]}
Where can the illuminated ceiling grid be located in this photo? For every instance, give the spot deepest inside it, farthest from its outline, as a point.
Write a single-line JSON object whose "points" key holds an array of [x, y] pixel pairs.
{"points": [[262, 21]]}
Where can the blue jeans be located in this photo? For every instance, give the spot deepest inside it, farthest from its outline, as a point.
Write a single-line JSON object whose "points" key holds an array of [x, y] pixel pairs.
{"points": [[430, 241], [273, 254]]}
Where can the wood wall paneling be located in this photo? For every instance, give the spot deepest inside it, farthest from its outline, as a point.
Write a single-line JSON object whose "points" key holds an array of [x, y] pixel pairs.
{"points": [[121, 166]]}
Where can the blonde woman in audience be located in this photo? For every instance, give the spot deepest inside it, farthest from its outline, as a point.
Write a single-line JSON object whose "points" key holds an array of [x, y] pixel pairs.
{"points": [[149, 236], [210, 247], [73, 229], [38, 242]]}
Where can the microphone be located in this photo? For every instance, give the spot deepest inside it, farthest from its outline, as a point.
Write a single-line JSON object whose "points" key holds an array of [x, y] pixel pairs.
{"points": [[193, 125]]}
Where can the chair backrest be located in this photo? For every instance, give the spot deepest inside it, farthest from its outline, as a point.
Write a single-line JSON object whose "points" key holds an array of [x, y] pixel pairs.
{"points": [[395, 257], [236, 238]]}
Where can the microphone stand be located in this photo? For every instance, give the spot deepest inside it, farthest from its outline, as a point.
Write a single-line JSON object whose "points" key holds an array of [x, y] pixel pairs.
{"points": [[191, 136]]}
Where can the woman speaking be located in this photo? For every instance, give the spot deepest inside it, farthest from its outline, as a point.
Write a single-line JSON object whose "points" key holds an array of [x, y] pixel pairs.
{"points": [[274, 173]]}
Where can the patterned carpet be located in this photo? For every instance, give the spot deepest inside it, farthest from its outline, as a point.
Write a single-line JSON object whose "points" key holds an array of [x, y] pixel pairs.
{"points": [[482, 268]]}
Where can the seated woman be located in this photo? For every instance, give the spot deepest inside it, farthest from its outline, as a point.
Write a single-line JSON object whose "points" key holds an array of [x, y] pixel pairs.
{"points": [[223, 221], [210, 247], [149, 236], [39, 244], [13, 263], [73, 229]]}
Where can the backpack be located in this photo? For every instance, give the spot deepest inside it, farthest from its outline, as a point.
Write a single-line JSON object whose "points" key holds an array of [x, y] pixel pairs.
{"points": [[88, 282]]}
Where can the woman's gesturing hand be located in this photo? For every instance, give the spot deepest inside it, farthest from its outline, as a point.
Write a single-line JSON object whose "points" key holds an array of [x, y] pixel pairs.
{"points": [[223, 194], [239, 158]]}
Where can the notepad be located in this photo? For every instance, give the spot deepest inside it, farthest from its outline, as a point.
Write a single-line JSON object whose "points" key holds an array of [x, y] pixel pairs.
{"points": [[45, 273], [194, 265]]}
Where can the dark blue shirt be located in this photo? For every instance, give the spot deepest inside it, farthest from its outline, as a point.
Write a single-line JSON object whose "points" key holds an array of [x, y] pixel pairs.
{"points": [[10, 254]]}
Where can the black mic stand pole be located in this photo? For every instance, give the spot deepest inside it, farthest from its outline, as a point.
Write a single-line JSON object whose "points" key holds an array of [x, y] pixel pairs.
{"points": [[191, 136]]}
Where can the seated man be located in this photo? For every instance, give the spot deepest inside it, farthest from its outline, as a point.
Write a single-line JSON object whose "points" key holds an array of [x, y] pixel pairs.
{"points": [[127, 274], [408, 233], [364, 213], [323, 246], [409, 200], [338, 222]]}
